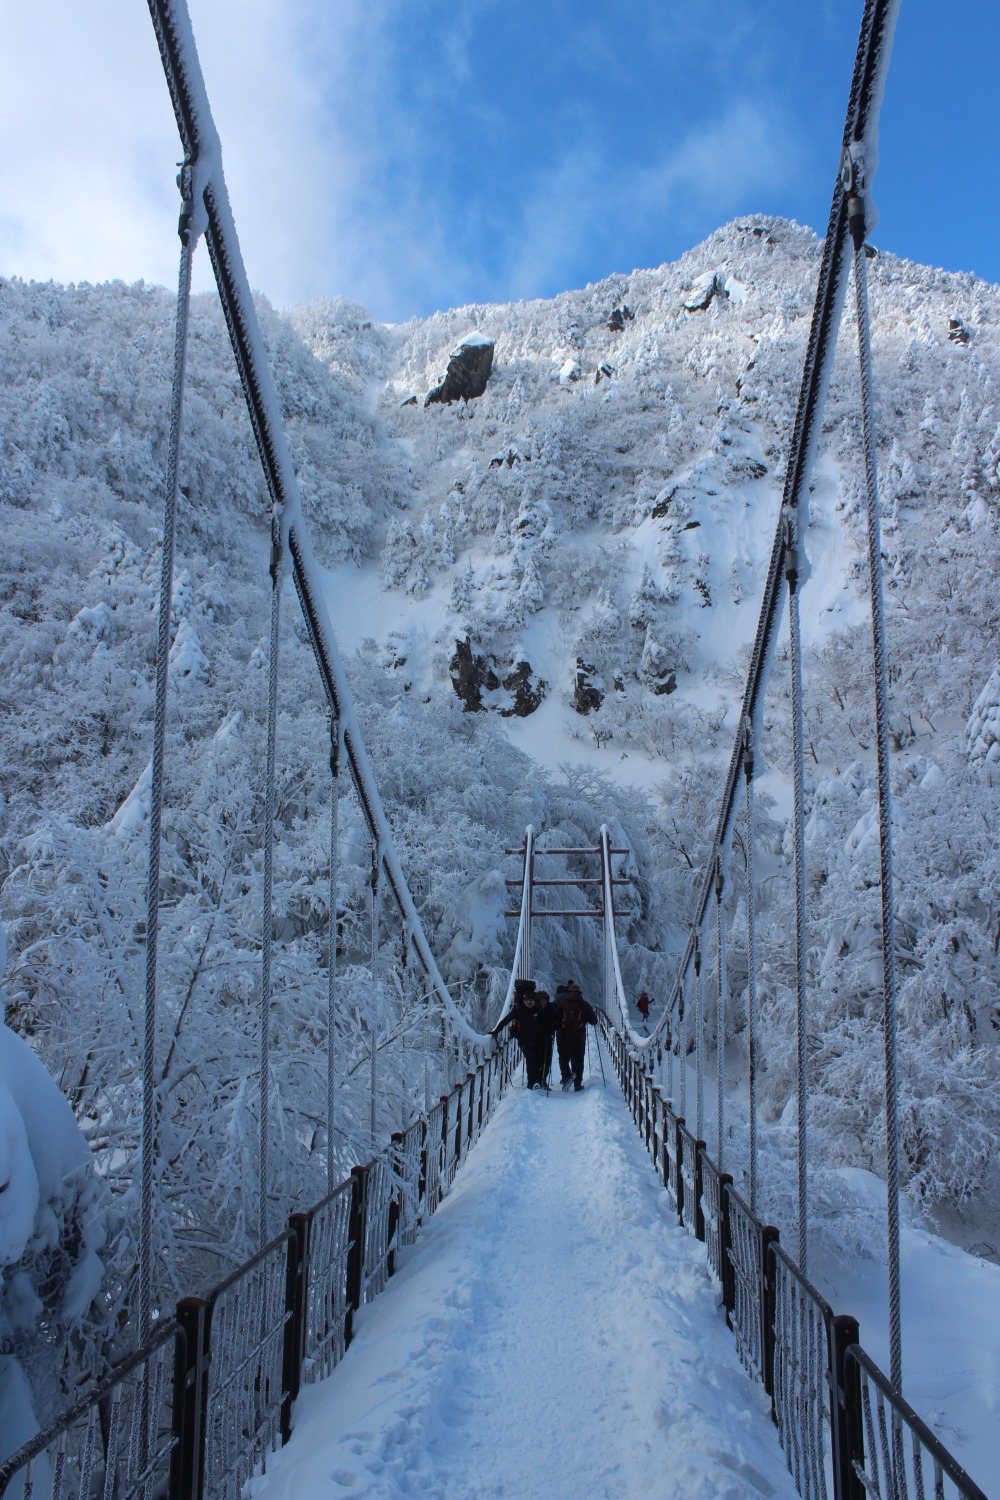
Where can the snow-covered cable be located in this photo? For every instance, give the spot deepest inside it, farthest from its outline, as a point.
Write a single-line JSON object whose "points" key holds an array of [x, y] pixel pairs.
{"points": [[213, 213], [799, 846], [699, 1046], [188, 241], [861, 125], [884, 800], [331, 971], [267, 912], [751, 963], [682, 1050], [376, 885], [720, 1013]]}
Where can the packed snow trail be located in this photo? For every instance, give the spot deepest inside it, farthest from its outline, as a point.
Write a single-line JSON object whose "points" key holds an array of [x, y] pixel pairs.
{"points": [[551, 1334]]}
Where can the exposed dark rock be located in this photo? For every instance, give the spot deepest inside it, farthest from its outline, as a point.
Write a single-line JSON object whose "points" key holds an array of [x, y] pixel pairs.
{"points": [[662, 506], [691, 525], [410, 401], [510, 458], [702, 291], [586, 694], [666, 685], [471, 673], [957, 331], [604, 372], [527, 690], [468, 371], [759, 232], [619, 317]]}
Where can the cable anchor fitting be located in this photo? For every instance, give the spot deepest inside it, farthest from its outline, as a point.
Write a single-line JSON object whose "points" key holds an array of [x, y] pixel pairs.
{"points": [[718, 877], [748, 748], [791, 550], [852, 180], [185, 184], [697, 956], [275, 561]]}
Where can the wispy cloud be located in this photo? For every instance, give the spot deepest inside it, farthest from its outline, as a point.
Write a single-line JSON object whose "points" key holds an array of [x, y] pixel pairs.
{"points": [[717, 169]]}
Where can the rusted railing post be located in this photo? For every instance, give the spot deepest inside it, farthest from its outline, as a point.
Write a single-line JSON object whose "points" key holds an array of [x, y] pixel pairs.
{"points": [[356, 1254], [187, 1462]]}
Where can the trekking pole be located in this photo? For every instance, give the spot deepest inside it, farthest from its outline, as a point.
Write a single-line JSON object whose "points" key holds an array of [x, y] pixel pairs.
{"points": [[600, 1059]]}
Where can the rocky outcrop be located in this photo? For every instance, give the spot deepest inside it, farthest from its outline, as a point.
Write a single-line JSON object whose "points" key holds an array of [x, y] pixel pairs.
{"points": [[469, 369], [526, 690], [587, 692], [514, 693], [619, 317], [471, 675]]}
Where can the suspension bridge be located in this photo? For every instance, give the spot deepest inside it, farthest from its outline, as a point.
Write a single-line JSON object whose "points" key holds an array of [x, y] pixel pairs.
{"points": [[211, 1392]]}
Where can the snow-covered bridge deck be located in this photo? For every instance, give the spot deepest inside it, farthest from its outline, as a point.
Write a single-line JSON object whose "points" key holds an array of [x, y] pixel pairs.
{"points": [[551, 1334]]}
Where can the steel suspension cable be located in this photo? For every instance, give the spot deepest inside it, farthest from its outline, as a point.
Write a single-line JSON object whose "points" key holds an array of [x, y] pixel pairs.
{"points": [[682, 1045], [856, 219], [799, 838], [188, 239], [751, 963], [376, 885], [267, 914], [720, 1010], [699, 1050], [331, 969]]}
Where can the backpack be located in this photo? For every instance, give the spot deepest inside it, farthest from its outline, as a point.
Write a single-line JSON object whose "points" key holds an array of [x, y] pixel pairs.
{"points": [[574, 1017]]}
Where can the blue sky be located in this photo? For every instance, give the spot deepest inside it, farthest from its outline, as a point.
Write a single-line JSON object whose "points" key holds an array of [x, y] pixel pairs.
{"points": [[419, 155]]}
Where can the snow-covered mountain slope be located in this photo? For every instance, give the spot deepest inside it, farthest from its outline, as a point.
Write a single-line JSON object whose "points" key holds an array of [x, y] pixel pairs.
{"points": [[603, 512]]}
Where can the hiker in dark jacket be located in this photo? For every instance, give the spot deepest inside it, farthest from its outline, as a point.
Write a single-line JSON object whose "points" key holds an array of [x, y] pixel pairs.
{"points": [[532, 1025], [574, 1016]]}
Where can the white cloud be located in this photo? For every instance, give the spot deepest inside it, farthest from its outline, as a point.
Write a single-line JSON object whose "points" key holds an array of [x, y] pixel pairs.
{"points": [[703, 179], [339, 174]]}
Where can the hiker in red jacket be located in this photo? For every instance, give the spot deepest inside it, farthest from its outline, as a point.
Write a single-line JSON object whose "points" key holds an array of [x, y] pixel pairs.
{"points": [[642, 1005], [573, 1016]]}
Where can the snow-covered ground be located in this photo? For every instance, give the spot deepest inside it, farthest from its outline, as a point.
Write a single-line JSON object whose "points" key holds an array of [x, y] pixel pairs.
{"points": [[552, 1333]]}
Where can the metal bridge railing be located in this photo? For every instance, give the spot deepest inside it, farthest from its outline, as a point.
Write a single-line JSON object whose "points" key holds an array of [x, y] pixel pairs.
{"points": [[803, 1345], [121, 1439], [846, 1432], [896, 1455], [194, 1414]]}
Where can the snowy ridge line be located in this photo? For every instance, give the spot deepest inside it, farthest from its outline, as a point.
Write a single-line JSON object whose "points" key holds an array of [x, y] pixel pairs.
{"points": [[187, 1414], [210, 212], [787, 552], [836, 1411]]}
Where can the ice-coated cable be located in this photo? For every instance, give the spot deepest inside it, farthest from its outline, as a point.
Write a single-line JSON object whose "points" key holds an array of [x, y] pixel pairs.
{"points": [[376, 894], [699, 1050], [682, 1046], [267, 914], [331, 962], [884, 805], [720, 1016], [751, 966], [156, 772], [799, 841]]}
